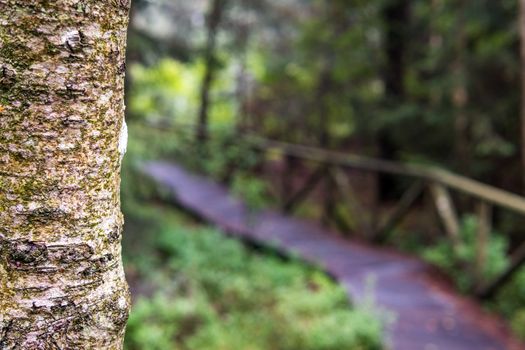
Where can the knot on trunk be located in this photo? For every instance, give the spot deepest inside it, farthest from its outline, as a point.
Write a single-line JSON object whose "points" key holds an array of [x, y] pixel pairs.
{"points": [[74, 41], [7, 77], [46, 214], [25, 252]]}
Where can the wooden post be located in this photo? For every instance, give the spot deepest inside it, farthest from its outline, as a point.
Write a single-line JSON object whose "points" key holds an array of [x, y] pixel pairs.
{"points": [[348, 193], [447, 213]]}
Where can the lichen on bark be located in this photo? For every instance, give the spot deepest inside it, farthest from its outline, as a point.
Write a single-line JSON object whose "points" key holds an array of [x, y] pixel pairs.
{"points": [[62, 284]]}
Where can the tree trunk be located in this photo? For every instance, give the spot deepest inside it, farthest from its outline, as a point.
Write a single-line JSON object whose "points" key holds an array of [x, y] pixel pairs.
{"points": [[213, 22], [62, 284], [460, 97], [396, 16], [324, 88], [522, 36]]}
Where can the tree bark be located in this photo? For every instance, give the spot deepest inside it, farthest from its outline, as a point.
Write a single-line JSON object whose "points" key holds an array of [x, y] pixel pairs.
{"points": [[213, 23], [396, 16], [522, 37], [460, 96], [62, 284]]}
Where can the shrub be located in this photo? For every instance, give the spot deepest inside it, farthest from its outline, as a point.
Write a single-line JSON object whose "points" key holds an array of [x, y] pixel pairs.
{"points": [[444, 256]]}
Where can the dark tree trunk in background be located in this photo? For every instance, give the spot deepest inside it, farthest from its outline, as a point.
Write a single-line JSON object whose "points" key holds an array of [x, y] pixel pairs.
{"points": [[396, 17], [213, 23], [324, 89], [522, 37], [460, 97]]}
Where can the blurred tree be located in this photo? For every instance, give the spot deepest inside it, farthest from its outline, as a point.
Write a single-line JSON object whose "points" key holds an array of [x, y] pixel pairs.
{"points": [[62, 141], [163, 28], [522, 37], [396, 19], [397, 69], [460, 95], [213, 22], [460, 75]]}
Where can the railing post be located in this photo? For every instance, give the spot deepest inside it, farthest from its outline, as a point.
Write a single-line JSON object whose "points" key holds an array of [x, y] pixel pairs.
{"points": [[348, 194], [447, 213]]}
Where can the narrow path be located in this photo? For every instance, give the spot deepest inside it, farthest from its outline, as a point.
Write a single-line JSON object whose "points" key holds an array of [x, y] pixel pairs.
{"points": [[429, 314]]}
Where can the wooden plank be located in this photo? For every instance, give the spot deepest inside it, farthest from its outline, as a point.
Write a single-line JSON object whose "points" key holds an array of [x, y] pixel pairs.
{"points": [[447, 212], [477, 189], [403, 207], [337, 158]]}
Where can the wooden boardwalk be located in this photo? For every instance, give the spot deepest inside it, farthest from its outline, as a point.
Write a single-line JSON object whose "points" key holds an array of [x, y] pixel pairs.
{"points": [[429, 314]]}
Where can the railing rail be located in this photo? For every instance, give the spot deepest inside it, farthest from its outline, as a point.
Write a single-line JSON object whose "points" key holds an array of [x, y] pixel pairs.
{"points": [[460, 183]]}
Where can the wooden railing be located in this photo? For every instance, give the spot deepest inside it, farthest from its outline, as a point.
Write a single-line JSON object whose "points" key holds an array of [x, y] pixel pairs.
{"points": [[438, 182]]}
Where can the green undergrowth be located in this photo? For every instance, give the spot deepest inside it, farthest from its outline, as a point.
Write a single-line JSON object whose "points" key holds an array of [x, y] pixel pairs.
{"points": [[202, 291], [455, 262], [226, 158]]}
